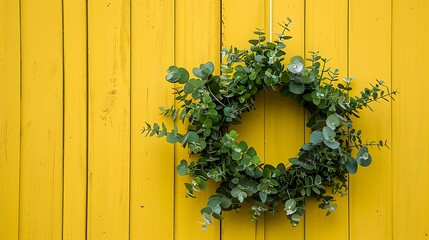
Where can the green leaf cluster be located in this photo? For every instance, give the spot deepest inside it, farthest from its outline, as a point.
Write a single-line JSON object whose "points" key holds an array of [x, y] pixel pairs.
{"points": [[212, 104]]}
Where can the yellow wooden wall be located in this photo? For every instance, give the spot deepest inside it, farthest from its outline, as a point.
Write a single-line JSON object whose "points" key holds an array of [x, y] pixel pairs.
{"points": [[79, 78]]}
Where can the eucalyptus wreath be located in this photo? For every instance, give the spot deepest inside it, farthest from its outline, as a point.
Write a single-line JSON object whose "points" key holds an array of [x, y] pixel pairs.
{"points": [[212, 104]]}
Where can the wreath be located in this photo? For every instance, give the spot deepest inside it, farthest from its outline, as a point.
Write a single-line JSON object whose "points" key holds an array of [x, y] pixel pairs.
{"points": [[211, 104]]}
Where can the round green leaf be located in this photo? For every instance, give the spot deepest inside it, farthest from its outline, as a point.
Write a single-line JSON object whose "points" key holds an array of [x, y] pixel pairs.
{"points": [[296, 217], [225, 203], [207, 217], [351, 165], [328, 134], [290, 204], [316, 137], [233, 134], [296, 65], [182, 168], [255, 159], [196, 83], [172, 75], [217, 216], [332, 121], [251, 152], [184, 76], [296, 88], [189, 88], [332, 144], [363, 157], [172, 137], [192, 137], [197, 72], [243, 146], [235, 155], [209, 68]]}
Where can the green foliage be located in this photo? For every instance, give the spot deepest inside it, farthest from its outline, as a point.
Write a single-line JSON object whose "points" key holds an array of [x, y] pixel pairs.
{"points": [[211, 103]]}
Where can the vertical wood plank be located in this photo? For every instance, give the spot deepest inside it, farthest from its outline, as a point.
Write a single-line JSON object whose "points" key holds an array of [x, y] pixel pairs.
{"points": [[326, 31], [10, 78], [152, 159], [41, 120], [197, 36], [370, 190], [410, 153], [109, 119], [237, 28], [75, 119], [284, 117]]}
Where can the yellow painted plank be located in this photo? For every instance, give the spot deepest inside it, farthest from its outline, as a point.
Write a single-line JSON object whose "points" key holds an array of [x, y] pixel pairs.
{"points": [[410, 152], [109, 119], [75, 119], [196, 41], [152, 159], [370, 190], [238, 26], [9, 118], [284, 117], [41, 120], [326, 32]]}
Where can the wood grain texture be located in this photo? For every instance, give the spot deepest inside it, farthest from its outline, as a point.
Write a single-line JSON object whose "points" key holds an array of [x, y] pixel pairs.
{"points": [[41, 120], [9, 118], [370, 190], [109, 119], [237, 28], [284, 117], [75, 119], [152, 159], [326, 31], [197, 37], [80, 78], [410, 152]]}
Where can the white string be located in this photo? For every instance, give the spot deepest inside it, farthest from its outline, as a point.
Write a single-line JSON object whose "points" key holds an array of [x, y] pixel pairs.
{"points": [[271, 20]]}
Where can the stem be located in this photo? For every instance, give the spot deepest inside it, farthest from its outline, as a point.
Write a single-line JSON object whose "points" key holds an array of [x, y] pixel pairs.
{"points": [[389, 94], [211, 93], [323, 70], [366, 145]]}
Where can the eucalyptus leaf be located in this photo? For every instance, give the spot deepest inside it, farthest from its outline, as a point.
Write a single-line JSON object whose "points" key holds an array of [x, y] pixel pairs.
{"points": [[318, 180], [296, 64], [172, 75], [233, 134], [290, 204], [296, 217], [263, 196], [210, 105], [254, 42], [172, 138], [328, 134], [296, 88], [332, 121], [189, 88], [316, 137], [351, 165], [198, 73], [259, 57], [184, 76], [207, 217], [363, 157], [192, 137], [217, 216], [332, 144], [182, 168]]}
